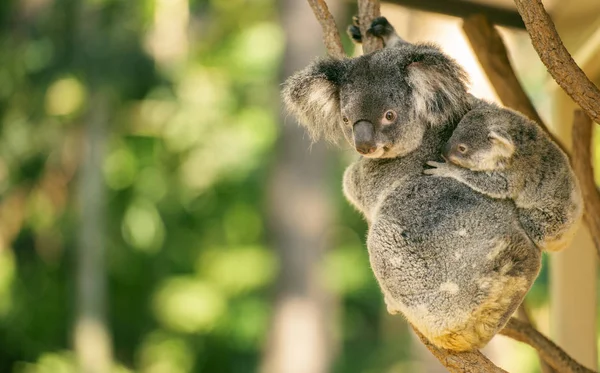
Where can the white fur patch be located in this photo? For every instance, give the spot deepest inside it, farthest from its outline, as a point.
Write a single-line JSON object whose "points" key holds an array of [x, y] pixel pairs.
{"points": [[449, 287], [500, 245], [484, 282], [396, 261]]}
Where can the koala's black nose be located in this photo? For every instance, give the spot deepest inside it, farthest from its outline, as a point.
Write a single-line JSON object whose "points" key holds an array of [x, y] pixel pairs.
{"points": [[364, 137]]}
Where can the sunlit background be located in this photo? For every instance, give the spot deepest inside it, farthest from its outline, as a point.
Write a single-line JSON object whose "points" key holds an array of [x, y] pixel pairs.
{"points": [[160, 214]]}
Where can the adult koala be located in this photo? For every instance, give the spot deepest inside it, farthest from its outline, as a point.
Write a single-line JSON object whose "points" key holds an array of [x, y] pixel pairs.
{"points": [[454, 262]]}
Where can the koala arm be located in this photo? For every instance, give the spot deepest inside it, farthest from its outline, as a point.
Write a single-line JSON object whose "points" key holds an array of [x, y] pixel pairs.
{"points": [[493, 184]]}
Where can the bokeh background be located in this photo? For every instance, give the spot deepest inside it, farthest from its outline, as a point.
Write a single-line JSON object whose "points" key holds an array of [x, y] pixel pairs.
{"points": [[160, 213]]}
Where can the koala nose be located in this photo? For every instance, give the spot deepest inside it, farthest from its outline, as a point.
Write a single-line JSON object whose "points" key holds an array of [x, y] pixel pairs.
{"points": [[366, 149], [364, 137]]}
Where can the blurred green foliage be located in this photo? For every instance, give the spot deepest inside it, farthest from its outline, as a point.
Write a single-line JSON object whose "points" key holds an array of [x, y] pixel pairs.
{"points": [[190, 145], [189, 271]]}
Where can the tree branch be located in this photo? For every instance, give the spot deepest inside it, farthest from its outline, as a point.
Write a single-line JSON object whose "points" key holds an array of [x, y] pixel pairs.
{"points": [[460, 362], [550, 352], [331, 35], [581, 160], [491, 52], [557, 59], [367, 11]]}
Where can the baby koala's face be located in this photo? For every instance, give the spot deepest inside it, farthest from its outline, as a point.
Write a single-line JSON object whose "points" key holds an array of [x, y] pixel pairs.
{"points": [[478, 148]]}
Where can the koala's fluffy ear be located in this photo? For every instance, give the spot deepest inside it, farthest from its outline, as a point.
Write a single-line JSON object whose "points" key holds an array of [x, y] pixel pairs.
{"points": [[439, 85], [504, 141], [312, 95]]}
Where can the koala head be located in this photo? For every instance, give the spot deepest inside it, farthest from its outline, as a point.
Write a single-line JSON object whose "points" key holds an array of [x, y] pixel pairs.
{"points": [[381, 103], [480, 142]]}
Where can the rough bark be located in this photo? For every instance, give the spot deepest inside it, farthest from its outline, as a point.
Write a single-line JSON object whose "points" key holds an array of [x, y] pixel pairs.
{"points": [[491, 52], [557, 59], [331, 36], [460, 362], [581, 160]]}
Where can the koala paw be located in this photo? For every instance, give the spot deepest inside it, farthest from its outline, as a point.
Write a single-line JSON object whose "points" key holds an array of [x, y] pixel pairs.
{"points": [[440, 169], [380, 27], [354, 30], [354, 33]]}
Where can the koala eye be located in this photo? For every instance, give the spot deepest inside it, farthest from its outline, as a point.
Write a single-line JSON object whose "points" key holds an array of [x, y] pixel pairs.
{"points": [[462, 148], [345, 119], [389, 117]]}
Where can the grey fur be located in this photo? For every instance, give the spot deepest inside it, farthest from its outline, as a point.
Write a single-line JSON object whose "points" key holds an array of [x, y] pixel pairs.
{"points": [[505, 155], [453, 261]]}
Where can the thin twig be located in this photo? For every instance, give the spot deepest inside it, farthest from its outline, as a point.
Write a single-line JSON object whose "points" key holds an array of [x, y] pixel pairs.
{"points": [[557, 59], [491, 52], [331, 36], [550, 352], [367, 11], [460, 362], [581, 161]]}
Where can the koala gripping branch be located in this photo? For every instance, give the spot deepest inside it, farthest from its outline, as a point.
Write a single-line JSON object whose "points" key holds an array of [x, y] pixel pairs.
{"points": [[368, 10]]}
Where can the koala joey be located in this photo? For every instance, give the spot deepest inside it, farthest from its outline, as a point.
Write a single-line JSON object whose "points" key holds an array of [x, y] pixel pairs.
{"points": [[502, 154], [453, 261]]}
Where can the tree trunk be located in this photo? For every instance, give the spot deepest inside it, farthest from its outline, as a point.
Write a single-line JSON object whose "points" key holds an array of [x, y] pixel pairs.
{"points": [[92, 339], [91, 336], [300, 339]]}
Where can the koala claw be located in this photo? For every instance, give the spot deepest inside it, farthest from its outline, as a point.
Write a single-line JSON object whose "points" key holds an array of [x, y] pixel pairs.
{"points": [[439, 169], [354, 33], [436, 164], [380, 27]]}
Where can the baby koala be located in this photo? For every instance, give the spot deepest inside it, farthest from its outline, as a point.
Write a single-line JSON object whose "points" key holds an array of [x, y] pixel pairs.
{"points": [[502, 154]]}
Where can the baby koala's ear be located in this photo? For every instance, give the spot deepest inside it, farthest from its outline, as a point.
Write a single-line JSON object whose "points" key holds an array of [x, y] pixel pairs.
{"points": [[503, 140], [312, 95]]}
